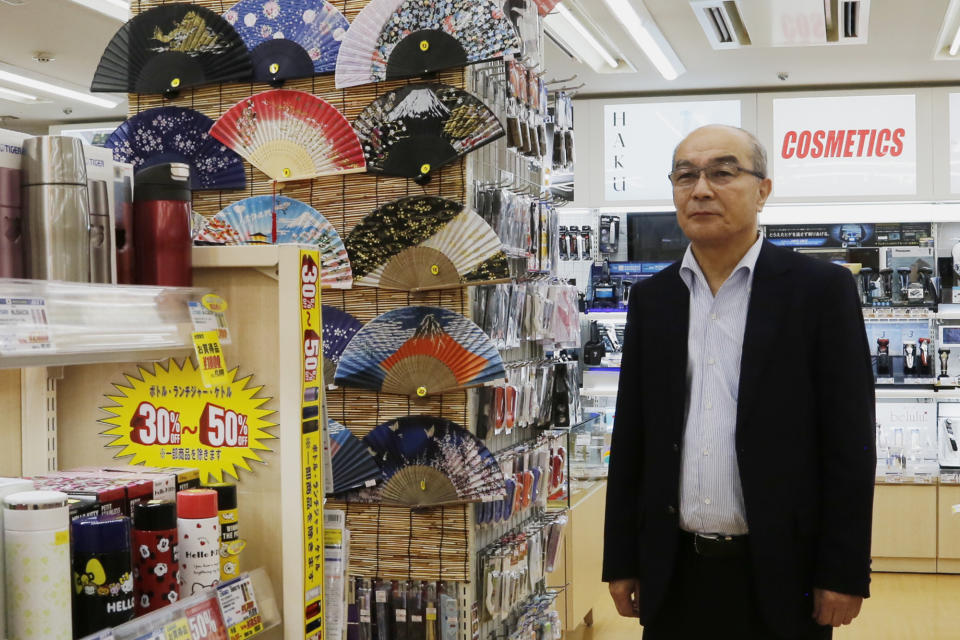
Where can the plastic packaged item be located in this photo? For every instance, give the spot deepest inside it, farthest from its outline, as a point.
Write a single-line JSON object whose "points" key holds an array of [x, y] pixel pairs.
{"points": [[155, 555], [365, 609], [198, 532], [37, 564], [102, 574]]}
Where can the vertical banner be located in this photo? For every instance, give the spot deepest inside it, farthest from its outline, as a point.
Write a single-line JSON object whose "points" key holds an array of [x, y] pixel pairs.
{"points": [[311, 445]]}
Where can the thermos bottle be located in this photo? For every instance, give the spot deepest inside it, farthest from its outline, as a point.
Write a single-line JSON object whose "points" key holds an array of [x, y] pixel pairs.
{"points": [[230, 543], [155, 554], [11, 228], [37, 560], [161, 227], [123, 228], [101, 240], [198, 531], [7, 486], [56, 212], [102, 573]]}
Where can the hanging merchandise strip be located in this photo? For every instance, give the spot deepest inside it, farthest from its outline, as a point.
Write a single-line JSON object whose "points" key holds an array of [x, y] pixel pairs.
{"points": [[402, 609]]}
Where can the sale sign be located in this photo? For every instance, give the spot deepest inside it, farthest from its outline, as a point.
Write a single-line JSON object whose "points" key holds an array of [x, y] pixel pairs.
{"points": [[168, 417]]}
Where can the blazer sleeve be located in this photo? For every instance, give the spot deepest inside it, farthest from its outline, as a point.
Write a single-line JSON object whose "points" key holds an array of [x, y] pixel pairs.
{"points": [[846, 436], [624, 481]]}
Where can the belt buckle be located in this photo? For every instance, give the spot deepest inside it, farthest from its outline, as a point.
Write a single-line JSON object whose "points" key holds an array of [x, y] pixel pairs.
{"points": [[696, 540]]}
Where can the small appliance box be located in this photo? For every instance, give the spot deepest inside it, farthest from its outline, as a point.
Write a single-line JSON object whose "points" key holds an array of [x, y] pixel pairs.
{"points": [[115, 493], [907, 441], [164, 482], [186, 477], [948, 434]]}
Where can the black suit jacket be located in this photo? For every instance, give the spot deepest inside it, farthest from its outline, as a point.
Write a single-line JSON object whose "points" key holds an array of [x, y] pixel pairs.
{"points": [[804, 436]]}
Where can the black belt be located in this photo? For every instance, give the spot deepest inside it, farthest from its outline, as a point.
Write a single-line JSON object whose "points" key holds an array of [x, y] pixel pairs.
{"points": [[714, 545]]}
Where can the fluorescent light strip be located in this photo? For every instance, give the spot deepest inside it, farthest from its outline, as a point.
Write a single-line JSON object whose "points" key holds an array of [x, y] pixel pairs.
{"points": [[582, 30], [46, 87], [955, 45], [17, 96], [116, 9], [640, 31]]}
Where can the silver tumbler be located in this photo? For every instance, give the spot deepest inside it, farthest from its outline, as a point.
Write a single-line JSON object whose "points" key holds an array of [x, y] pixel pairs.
{"points": [[56, 209], [101, 240]]}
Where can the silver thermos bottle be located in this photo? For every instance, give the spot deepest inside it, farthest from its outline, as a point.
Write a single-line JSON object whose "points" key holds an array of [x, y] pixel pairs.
{"points": [[11, 234], [101, 240], [56, 209]]}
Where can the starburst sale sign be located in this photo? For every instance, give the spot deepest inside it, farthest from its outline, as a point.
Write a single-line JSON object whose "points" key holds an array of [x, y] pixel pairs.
{"points": [[167, 417]]}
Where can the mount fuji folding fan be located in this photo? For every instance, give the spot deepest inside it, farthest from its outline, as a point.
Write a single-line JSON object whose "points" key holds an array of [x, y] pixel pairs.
{"points": [[421, 127], [401, 38], [177, 134], [428, 461], [339, 327], [353, 463], [419, 351], [282, 220], [291, 135], [424, 242], [289, 39], [169, 48]]}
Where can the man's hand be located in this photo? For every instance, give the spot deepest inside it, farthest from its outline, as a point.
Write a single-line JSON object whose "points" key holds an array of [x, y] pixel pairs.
{"points": [[830, 608], [626, 595]]}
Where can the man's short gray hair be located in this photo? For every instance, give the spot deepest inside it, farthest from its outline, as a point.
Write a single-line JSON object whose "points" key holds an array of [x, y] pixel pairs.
{"points": [[758, 155]]}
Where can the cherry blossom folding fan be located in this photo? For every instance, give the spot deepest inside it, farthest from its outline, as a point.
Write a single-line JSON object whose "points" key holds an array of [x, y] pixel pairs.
{"points": [[339, 327]]}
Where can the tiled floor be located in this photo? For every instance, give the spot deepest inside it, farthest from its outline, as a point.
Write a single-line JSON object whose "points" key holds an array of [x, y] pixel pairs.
{"points": [[903, 607]]}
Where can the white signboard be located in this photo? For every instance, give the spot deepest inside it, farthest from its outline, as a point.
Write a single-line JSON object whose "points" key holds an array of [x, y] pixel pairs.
{"points": [[845, 146], [955, 143], [639, 140]]}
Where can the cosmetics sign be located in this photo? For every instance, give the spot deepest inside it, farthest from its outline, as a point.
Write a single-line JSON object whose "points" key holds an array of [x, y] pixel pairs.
{"points": [[168, 417]]}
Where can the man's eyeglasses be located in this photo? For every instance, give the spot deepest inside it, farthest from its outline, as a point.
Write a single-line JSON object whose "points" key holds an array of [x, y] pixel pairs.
{"points": [[720, 173]]}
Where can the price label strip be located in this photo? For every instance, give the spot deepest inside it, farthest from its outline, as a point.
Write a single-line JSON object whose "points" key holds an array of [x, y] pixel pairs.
{"points": [[24, 326], [179, 629], [311, 411], [209, 314], [238, 604]]}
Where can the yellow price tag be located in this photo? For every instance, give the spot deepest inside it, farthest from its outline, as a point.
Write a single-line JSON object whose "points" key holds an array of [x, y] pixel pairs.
{"points": [[435, 269], [214, 303], [213, 368], [425, 169], [175, 83], [286, 172], [274, 68], [177, 630], [424, 45], [421, 391]]}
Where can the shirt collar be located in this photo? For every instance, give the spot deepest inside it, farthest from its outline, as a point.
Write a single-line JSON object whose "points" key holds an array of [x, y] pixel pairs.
{"points": [[690, 268]]}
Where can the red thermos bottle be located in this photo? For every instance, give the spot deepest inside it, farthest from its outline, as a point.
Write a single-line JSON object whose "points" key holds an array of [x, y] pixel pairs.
{"points": [[161, 227]]}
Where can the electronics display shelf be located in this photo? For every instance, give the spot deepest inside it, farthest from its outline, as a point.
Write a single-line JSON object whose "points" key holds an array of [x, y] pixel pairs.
{"points": [[52, 323]]}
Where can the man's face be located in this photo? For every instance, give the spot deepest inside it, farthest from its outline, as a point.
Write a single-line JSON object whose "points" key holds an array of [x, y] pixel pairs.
{"points": [[713, 215]]}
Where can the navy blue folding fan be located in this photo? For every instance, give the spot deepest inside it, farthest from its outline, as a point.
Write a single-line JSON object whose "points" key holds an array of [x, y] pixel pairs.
{"points": [[339, 327], [289, 38], [353, 463], [178, 134], [426, 461]]}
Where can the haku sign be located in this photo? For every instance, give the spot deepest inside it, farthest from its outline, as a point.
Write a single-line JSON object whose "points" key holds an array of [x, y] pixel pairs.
{"points": [[168, 418], [845, 146], [639, 140]]}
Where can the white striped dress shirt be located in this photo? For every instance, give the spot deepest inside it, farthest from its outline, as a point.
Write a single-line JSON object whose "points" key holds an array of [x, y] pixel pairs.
{"points": [[711, 498]]}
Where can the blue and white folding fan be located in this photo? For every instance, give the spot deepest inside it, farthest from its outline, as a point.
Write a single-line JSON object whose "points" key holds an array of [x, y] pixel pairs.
{"points": [[339, 327], [177, 134], [289, 38], [353, 463]]}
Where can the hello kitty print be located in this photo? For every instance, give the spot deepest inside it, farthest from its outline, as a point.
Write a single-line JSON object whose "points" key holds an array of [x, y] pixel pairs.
{"points": [[199, 554], [155, 569]]}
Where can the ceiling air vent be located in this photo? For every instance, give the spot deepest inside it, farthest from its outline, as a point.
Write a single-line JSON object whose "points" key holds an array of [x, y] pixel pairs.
{"points": [[721, 22], [847, 21]]}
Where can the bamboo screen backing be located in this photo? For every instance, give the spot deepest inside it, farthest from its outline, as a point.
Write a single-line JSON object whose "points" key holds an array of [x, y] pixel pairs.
{"points": [[387, 542]]}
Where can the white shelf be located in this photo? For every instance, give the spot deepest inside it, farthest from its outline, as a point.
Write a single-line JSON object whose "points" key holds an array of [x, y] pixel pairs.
{"points": [[942, 394], [240, 256], [50, 323]]}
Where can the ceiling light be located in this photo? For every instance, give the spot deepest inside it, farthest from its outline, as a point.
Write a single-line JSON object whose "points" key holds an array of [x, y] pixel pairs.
{"points": [[46, 87], [17, 96], [116, 9], [645, 33], [564, 13], [955, 45]]}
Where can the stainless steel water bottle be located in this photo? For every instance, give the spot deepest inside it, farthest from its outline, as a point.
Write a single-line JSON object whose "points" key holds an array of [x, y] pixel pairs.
{"points": [[101, 240], [11, 227], [56, 209]]}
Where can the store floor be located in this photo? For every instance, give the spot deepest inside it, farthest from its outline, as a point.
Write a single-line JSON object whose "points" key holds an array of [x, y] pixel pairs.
{"points": [[903, 607]]}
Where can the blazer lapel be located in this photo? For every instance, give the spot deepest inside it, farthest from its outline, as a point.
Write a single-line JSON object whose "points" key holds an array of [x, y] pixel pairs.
{"points": [[670, 329], [769, 297]]}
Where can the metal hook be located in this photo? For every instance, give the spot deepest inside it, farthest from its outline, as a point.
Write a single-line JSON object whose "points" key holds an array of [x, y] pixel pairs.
{"points": [[565, 80]]}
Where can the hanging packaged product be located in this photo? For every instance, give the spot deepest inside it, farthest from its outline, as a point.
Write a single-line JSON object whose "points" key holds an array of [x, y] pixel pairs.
{"points": [[230, 543], [198, 530], [37, 563], [155, 554], [102, 573]]}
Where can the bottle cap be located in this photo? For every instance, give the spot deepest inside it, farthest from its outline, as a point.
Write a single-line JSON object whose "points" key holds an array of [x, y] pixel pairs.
{"points": [[35, 500], [197, 503], [155, 515], [101, 534], [226, 494]]}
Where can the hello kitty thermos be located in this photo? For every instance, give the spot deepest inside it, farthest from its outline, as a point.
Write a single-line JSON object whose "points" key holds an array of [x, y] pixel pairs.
{"points": [[102, 573], [198, 530], [155, 554]]}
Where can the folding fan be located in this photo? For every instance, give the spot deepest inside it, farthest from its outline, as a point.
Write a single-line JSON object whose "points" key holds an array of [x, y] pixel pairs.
{"points": [[427, 461], [282, 220], [402, 38], [353, 464], [291, 135], [339, 327], [172, 47], [420, 127], [289, 39], [425, 242], [419, 351], [177, 134]]}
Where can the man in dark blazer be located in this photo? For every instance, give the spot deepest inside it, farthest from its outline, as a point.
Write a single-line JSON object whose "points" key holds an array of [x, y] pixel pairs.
{"points": [[740, 494]]}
